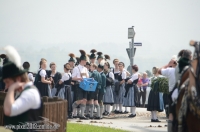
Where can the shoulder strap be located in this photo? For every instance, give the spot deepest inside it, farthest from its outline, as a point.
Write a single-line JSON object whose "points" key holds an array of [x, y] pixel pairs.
{"points": [[79, 71]]}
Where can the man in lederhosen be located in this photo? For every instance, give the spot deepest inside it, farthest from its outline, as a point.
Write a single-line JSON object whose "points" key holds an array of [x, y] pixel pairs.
{"points": [[22, 103], [102, 89], [78, 74]]}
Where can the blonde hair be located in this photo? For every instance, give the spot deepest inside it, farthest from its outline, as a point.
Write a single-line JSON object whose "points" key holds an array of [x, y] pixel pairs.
{"points": [[115, 60], [94, 65]]}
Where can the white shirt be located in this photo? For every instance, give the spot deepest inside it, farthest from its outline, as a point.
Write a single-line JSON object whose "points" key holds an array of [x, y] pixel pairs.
{"points": [[30, 76], [111, 75], [43, 73], [29, 99], [78, 70], [170, 74], [134, 77], [116, 71], [65, 77], [123, 74]]}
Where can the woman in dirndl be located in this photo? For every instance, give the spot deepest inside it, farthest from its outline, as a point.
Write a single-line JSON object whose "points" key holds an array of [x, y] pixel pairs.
{"points": [[65, 92], [42, 82], [56, 76], [108, 99], [116, 74], [121, 83], [155, 100], [131, 97]]}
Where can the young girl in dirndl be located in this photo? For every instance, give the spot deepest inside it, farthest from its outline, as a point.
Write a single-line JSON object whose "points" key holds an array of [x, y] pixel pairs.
{"points": [[121, 79], [116, 74], [130, 99], [108, 99]]}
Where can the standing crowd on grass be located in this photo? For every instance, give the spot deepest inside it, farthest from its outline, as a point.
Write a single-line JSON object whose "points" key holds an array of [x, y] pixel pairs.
{"points": [[116, 87]]}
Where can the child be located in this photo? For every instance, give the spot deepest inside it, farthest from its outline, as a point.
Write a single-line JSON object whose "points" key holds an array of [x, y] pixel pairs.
{"points": [[140, 83]]}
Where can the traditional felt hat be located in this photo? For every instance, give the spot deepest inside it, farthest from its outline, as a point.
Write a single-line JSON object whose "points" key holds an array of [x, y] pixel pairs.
{"points": [[107, 57], [93, 56], [83, 55], [101, 65], [100, 55], [71, 59], [77, 61], [12, 67]]}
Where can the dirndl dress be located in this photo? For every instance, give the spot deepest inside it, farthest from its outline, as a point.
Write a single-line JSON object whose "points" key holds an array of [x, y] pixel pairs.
{"points": [[43, 88], [108, 96], [131, 99], [120, 96], [114, 93], [155, 101]]}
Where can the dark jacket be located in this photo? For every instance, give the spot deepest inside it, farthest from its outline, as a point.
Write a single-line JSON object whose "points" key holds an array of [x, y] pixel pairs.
{"points": [[97, 77], [103, 83]]}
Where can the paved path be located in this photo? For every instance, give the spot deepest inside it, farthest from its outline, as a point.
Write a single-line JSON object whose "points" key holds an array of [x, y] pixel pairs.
{"points": [[141, 123]]}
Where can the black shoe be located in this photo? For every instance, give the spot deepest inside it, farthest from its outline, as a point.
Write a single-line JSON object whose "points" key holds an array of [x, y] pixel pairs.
{"points": [[126, 112], [104, 113], [88, 115], [155, 120], [75, 116], [131, 116], [107, 114], [120, 112], [97, 118], [116, 111], [91, 118], [83, 118]]}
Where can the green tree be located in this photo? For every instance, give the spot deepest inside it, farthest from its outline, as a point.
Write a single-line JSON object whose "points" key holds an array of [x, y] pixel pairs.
{"points": [[149, 74]]}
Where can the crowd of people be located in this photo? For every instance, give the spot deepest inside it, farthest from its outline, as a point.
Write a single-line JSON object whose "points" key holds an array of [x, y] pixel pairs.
{"points": [[116, 87]]}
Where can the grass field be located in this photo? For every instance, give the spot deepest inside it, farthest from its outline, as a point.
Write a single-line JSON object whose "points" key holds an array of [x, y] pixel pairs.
{"points": [[76, 127]]}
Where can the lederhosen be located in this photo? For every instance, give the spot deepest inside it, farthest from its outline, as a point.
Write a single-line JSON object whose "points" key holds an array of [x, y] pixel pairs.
{"points": [[100, 94], [79, 92], [29, 116], [108, 95], [42, 87], [93, 94]]}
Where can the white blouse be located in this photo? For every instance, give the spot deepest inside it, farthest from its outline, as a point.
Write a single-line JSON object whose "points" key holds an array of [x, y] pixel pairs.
{"points": [[65, 77], [43, 73]]}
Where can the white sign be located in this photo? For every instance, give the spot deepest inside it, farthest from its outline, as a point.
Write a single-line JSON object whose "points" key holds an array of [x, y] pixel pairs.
{"points": [[131, 33]]}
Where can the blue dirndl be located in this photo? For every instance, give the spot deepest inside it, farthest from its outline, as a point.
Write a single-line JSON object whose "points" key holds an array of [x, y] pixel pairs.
{"points": [[108, 96], [120, 96]]}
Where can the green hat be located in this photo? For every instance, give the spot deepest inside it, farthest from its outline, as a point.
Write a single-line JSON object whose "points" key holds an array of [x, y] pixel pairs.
{"points": [[12, 67], [72, 56], [93, 56], [99, 55], [11, 70], [101, 65], [77, 61], [83, 55]]}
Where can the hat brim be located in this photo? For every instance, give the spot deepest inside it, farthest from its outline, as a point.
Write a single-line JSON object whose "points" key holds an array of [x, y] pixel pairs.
{"points": [[14, 75]]}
